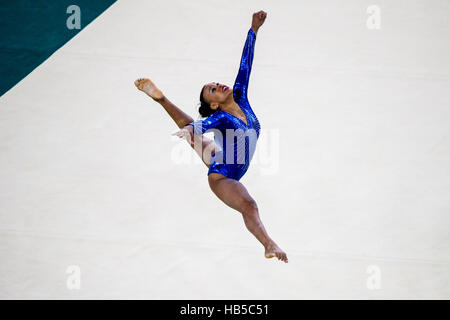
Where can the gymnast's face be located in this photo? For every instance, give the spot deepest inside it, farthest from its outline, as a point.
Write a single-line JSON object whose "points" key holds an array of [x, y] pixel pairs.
{"points": [[215, 94]]}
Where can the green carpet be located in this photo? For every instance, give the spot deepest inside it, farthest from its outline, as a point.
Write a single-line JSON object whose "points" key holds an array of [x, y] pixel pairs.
{"points": [[31, 30]]}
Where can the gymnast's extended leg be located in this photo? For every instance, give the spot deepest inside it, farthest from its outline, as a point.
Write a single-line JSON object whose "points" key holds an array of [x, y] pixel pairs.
{"points": [[181, 119]]}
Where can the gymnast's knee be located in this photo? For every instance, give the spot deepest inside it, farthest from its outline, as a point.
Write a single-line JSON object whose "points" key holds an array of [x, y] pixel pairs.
{"points": [[249, 207]]}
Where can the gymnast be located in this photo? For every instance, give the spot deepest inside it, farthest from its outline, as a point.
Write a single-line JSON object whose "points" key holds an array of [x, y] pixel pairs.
{"points": [[236, 130]]}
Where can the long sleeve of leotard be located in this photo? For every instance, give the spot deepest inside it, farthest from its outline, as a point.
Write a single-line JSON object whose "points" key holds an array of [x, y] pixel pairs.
{"points": [[241, 83], [213, 121]]}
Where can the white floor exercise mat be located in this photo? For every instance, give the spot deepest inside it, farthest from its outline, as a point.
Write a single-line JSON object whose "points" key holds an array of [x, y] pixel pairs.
{"points": [[351, 175]]}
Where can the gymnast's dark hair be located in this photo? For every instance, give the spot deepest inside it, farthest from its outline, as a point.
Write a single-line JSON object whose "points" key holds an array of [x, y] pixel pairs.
{"points": [[205, 108]]}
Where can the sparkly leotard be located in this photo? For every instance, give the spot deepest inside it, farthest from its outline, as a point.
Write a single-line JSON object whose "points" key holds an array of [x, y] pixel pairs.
{"points": [[236, 139]]}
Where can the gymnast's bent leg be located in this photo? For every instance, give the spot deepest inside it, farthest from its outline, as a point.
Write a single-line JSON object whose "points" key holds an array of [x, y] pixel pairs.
{"points": [[235, 195]]}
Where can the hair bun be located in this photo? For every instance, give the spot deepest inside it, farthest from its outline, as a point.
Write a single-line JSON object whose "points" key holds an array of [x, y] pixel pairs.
{"points": [[205, 108]]}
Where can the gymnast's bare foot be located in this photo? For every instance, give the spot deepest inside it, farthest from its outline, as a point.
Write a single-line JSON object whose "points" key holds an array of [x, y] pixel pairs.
{"points": [[147, 86], [273, 251]]}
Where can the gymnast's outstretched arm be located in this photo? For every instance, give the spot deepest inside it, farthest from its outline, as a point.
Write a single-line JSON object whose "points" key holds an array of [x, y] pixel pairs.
{"points": [[245, 66]]}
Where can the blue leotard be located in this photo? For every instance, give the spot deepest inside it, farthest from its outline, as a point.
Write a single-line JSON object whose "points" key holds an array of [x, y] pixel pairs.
{"points": [[236, 139]]}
